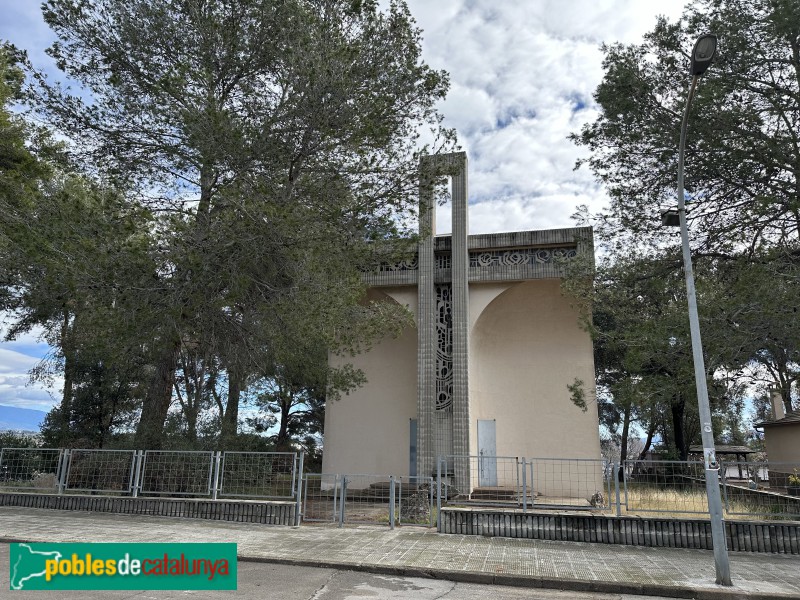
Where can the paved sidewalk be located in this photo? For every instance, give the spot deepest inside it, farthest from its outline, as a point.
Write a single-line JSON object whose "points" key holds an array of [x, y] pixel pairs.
{"points": [[419, 552]]}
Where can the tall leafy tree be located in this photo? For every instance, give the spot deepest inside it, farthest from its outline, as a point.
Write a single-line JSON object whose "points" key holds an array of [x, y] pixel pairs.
{"points": [[743, 147], [70, 251], [742, 180], [278, 141], [643, 355]]}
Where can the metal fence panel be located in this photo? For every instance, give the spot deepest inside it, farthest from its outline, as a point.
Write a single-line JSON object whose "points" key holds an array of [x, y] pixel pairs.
{"points": [[31, 469], [176, 472], [258, 474], [320, 492], [482, 479], [665, 486], [573, 483], [415, 501], [760, 489], [100, 470], [365, 499]]}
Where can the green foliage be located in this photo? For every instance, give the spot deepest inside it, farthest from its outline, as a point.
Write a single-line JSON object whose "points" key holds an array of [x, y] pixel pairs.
{"points": [[742, 146], [241, 163], [743, 190], [577, 393], [12, 439]]}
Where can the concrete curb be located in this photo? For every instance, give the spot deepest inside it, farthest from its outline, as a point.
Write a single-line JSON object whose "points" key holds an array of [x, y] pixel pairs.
{"points": [[550, 583]]}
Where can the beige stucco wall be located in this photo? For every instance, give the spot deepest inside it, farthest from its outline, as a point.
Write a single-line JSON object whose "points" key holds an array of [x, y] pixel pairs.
{"points": [[783, 444], [368, 432], [526, 346]]}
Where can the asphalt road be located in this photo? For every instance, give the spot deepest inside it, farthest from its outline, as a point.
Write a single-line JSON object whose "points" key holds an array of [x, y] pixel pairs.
{"points": [[264, 581]]}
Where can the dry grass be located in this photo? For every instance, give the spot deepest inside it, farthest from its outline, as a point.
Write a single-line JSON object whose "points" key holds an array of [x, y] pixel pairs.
{"points": [[657, 501]]}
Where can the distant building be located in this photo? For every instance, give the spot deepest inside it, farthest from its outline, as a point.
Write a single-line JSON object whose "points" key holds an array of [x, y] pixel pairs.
{"points": [[782, 440], [485, 369]]}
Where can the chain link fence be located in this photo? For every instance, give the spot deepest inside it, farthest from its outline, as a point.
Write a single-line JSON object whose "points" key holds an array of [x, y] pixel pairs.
{"points": [[572, 483], [569, 483], [484, 478], [665, 486], [761, 489], [416, 501], [367, 499], [320, 498]]}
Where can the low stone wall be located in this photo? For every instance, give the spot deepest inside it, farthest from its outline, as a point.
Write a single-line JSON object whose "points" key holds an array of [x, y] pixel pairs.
{"points": [[268, 513], [747, 536]]}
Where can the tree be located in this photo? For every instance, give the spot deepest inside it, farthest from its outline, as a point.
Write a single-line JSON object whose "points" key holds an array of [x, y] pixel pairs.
{"points": [[757, 307], [743, 181], [276, 139], [295, 391], [743, 147], [67, 249], [643, 356]]}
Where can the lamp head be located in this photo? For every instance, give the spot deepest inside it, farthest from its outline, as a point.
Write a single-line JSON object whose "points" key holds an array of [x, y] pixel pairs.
{"points": [[703, 53]]}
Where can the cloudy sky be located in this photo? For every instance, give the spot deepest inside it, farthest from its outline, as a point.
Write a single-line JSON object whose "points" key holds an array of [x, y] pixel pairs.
{"points": [[522, 76]]}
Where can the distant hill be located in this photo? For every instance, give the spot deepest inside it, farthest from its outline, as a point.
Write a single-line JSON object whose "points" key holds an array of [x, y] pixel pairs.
{"points": [[20, 419]]}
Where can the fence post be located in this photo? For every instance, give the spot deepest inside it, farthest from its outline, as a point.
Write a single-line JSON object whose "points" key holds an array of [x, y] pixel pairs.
{"points": [[134, 481], [391, 501], [625, 481], [64, 467], [400, 498], [430, 503], [299, 506], [533, 484], [335, 495], [524, 485], [616, 468], [439, 493], [723, 468], [217, 457], [342, 500]]}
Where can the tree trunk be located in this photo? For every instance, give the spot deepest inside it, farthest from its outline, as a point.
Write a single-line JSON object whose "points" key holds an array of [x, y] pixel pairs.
{"points": [[191, 426], [282, 440], [150, 431], [69, 367], [230, 419], [651, 432], [623, 444], [678, 409]]}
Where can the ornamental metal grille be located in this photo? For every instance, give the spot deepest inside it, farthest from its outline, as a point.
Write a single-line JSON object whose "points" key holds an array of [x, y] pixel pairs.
{"points": [[519, 256], [490, 258], [409, 264], [443, 261], [444, 347]]}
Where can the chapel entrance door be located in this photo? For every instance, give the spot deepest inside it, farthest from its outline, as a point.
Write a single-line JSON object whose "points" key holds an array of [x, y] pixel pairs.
{"points": [[487, 452]]}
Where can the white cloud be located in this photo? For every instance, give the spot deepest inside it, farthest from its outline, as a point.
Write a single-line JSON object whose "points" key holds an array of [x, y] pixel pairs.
{"points": [[12, 362], [17, 358], [523, 75]]}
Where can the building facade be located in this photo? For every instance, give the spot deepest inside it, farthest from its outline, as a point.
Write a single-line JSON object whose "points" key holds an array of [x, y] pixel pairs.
{"points": [[485, 369]]}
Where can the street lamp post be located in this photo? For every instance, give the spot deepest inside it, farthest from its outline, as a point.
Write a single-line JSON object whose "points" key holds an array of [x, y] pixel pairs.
{"points": [[702, 55]]}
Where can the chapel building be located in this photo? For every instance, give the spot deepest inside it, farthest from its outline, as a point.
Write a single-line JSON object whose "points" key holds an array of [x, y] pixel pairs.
{"points": [[486, 368]]}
